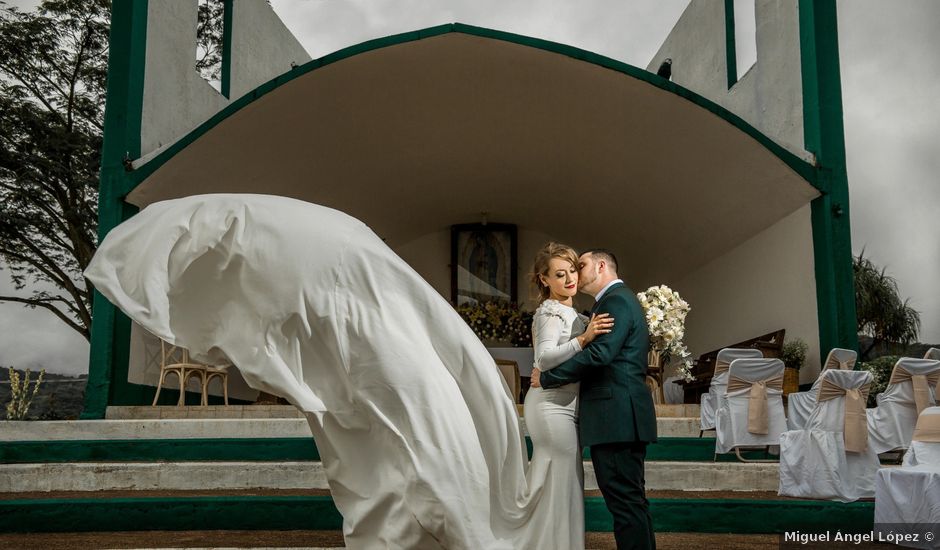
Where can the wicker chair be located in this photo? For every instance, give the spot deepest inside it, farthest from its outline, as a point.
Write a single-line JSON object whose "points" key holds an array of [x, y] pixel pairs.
{"points": [[176, 360]]}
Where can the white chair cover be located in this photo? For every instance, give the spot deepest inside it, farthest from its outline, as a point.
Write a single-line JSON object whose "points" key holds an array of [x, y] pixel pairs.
{"points": [[801, 404], [891, 423], [814, 461], [908, 499], [925, 444], [710, 401], [910, 495], [674, 393], [736, 422]]}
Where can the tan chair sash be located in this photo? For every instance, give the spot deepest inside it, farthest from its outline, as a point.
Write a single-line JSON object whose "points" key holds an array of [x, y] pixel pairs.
{"points": [[920, 382], [721, 366], [834, 363], [855, 425], [758, 421], [928, 428]]}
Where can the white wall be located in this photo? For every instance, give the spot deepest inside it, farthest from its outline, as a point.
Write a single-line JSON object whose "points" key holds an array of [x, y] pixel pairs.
{"points": [[176, 98], [769, 96], [765, 284], [262, 47]]}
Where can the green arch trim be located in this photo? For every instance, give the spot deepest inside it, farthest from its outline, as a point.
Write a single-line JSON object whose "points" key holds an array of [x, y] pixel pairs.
{"points": [[804, 169]]}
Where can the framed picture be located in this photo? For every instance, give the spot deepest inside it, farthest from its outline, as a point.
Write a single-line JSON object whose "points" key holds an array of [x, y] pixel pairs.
{"points": [[483, 263]]}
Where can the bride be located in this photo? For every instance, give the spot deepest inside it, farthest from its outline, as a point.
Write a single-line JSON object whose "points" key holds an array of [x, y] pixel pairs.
{"points": [[420, 442], [551, 415]]}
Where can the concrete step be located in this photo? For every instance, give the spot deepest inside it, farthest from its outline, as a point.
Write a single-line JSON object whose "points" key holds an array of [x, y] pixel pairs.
{"points": [[197, 412], [217, 428], [287, 411], [166, 428], [230, 475], [680, 427], [681, 410]]}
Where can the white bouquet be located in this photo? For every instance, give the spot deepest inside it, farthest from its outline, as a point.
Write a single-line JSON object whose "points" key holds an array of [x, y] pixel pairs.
{"points": [[665, 316]]}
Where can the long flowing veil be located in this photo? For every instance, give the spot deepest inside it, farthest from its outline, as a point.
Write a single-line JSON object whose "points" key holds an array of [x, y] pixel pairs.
{"points": [[419, 440]]}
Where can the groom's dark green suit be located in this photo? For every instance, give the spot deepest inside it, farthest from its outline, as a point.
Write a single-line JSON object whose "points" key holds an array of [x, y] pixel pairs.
{"points": [[617, 417]]}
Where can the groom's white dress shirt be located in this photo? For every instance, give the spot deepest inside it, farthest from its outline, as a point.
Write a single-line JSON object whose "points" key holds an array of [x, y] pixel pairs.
{"points": [[603, 290]]}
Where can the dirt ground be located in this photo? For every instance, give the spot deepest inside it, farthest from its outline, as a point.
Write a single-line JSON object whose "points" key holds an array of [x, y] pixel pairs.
{"points": [[334, 539]]}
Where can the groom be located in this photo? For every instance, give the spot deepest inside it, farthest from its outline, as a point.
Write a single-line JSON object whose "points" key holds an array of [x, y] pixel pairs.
{"points": [[617, 417]]}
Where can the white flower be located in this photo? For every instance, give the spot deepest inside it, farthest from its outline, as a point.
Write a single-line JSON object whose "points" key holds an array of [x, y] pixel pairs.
{"points": [[665, 316], [654, 315]]}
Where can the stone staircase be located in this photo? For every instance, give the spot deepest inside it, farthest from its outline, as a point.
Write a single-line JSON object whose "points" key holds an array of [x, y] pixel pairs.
{"points": [[232, 465]]}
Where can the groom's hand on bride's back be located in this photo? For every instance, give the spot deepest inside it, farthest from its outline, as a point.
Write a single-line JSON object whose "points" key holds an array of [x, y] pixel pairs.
{"points": [[536, 382]]}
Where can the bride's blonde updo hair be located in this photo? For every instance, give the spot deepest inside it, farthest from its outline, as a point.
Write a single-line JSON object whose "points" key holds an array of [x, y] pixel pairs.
{"points": [[543, 257]]}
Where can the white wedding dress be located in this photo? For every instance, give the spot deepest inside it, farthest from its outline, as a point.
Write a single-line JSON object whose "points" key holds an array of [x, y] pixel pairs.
{"points": [[551, 415], [419, 439]]}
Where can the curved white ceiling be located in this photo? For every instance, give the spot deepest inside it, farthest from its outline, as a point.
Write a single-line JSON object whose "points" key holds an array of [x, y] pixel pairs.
{"points": [[414, 137]]}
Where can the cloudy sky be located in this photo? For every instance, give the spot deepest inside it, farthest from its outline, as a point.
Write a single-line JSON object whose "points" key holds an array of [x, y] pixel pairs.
{"points": [[890, 79]]}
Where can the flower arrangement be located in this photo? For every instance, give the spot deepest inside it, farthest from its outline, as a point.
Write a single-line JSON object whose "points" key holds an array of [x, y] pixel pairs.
{"points": [[665, 317], [499, 321]]}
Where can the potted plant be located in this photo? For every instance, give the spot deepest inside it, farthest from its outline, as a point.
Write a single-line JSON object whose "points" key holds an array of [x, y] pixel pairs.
{"points": [[793, 356]]}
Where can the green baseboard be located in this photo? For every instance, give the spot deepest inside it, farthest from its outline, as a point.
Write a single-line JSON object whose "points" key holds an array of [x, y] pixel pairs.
{"points": [[158, 450], [319, 513]]}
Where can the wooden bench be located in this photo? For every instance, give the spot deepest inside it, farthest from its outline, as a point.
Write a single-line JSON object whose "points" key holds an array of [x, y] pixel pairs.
{"points": [[770, 344]]}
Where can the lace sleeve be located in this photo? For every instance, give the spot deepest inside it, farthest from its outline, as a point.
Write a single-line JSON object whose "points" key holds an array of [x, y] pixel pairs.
{"points": [[546, 329]]}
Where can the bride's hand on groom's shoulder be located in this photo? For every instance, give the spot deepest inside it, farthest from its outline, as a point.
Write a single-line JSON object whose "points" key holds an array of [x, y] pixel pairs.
{"points": [[601, 323]]}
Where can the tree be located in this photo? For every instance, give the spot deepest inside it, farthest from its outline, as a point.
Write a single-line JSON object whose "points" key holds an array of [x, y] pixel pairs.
{"points": [[881, 312], [209, 22], [53, 71], [53, 66]]}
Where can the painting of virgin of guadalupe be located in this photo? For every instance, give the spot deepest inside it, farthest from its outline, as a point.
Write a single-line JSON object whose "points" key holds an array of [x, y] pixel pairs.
{"points": [[483, 263]]}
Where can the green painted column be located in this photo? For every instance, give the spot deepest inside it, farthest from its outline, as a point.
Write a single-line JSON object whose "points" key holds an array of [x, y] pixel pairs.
{"points": [[110, 330], [226, 70], [824, 136], [731, 54]]}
